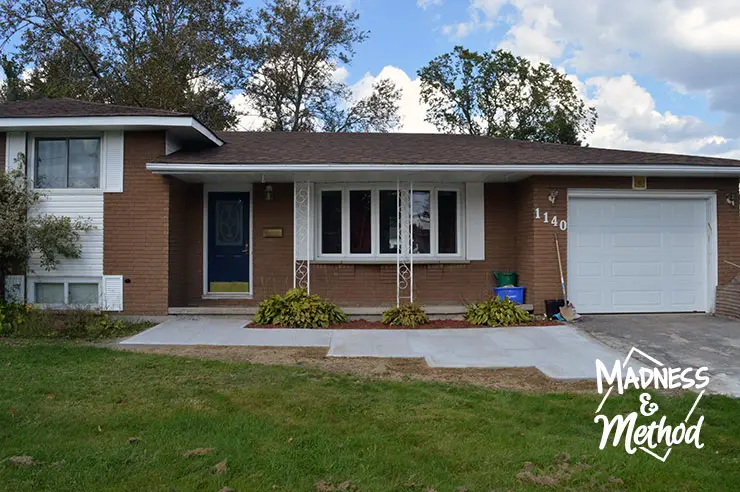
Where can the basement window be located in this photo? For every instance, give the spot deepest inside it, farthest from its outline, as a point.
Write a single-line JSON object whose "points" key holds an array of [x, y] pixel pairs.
{"points": [[63, 293]]}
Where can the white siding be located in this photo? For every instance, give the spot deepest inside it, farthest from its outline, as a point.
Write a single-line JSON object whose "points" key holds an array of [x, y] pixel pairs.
{"points": [[112, 162], [15, 142], [475, 221], [86, 204]]}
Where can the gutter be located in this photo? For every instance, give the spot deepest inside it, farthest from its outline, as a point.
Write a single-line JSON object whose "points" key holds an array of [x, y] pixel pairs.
{"points": [[543, 169]]}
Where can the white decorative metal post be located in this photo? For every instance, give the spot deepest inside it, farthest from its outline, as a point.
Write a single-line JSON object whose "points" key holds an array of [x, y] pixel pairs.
{"points": [[302, 235], [404, 243]]}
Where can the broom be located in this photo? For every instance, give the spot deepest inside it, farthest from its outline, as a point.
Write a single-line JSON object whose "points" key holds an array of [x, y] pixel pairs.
{"points": [[567, 311]]}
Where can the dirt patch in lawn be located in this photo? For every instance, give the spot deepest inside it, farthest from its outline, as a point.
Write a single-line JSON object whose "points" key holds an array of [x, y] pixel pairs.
{"points": [[526, 379], [435, 324]]}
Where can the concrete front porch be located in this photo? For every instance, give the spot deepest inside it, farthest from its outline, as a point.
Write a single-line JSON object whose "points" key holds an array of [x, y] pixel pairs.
{"points": [[560, 352]]}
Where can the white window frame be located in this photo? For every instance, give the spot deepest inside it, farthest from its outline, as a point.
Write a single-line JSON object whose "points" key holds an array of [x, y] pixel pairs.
{"points": [[375, 255], [66, 281], [31, 159]]}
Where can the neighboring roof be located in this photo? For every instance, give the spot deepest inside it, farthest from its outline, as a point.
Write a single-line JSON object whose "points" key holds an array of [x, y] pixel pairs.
{"points": [[63, 107], [411, 148]]}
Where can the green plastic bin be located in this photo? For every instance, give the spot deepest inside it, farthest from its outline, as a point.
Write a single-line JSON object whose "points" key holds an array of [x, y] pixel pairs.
{"points": [[505, 279]]}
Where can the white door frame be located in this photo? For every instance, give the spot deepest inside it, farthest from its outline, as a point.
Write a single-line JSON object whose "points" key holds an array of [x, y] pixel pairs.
{"points": [[710, 198], [219, 187]]}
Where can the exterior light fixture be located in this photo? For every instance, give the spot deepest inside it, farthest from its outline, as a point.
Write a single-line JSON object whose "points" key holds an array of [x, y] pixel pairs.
{"points": [[731, 199], [268, 193]]}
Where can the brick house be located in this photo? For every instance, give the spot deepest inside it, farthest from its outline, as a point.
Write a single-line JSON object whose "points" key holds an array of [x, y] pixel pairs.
{"points": [[191, 220]]}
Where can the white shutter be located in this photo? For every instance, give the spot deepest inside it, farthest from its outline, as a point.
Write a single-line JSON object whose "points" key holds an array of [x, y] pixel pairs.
{"points": [[113, 182], [113, 293], [15, 142], [475, 221], [15, 286]]}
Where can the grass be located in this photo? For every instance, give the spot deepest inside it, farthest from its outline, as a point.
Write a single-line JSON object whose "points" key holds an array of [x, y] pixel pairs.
{"points": [[73, 409]]}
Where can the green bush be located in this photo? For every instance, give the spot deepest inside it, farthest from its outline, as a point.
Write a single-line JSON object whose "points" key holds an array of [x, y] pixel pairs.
{"points": [[495, 312], [297, 309], [28, 321], [411, 315]]}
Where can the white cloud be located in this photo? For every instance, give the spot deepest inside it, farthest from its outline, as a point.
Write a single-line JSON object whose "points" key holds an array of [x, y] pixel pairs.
{"points": [[628, 119], [425, 4], [411, 110]]}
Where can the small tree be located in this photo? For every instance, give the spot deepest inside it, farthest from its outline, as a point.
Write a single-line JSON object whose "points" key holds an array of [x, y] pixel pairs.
{"points": [[22, 233]]}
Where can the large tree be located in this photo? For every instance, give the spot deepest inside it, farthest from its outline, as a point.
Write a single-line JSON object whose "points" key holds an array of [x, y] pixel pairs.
{"points": [[299, 47], [497, 94], [182, 55]]}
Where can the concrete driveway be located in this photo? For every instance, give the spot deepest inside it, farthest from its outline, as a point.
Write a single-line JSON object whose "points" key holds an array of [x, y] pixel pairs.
{"points": [[678, 340]]}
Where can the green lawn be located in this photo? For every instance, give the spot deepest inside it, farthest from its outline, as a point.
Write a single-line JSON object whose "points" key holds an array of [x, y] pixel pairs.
{"points": [[74, 408]]}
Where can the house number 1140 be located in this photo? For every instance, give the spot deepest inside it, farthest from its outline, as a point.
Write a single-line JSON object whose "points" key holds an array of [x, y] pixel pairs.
{"points": [[563, 225]]}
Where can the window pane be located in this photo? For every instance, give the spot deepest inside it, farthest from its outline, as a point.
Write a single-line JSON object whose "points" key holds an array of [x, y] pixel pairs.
{"points": [[229, 225], [447, 218], [51, 164], [83, 294], [49, 293], [388, 217], [360, 205], [84, 163], [421, 222], [331, 222]]}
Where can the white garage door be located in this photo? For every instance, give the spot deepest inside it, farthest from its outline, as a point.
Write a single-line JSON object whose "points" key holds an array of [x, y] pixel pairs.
{"points": [[638, 255]]}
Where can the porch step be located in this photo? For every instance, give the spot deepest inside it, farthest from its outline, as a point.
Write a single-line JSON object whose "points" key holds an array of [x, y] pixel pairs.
{"points": [[350, 310]]}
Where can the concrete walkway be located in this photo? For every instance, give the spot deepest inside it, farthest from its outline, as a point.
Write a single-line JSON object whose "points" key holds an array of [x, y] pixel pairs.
{"points": [[560, 352]]}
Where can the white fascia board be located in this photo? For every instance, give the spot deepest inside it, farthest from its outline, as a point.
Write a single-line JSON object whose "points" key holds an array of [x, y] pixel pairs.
{"points": [[118, 122], [556, 169]]}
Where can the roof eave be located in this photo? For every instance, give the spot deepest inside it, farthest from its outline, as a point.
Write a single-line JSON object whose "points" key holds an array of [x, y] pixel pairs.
{"points": [[547, 169], [108, 122]]}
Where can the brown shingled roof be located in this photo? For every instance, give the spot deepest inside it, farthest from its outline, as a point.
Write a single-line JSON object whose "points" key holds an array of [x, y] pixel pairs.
{"points": [[51, 108], [409, 148]]}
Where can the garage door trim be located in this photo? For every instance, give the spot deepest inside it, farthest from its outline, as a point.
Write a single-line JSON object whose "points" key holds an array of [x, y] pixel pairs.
{"points": [[710, 198]]}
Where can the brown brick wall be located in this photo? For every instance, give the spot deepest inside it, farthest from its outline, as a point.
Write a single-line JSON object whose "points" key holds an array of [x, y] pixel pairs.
{"points": [[544, 281], [728, 299], [136, 228], [362, 285], [514, 241]]}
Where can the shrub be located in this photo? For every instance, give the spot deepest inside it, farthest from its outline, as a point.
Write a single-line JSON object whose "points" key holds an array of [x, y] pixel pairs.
{"points": [[495, 312], [297, 309], [411, 315], [27, 321], [11, 317]]}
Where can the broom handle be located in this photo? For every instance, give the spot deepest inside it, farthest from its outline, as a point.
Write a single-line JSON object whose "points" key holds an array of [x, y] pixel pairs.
{"points": [[560, 266]]}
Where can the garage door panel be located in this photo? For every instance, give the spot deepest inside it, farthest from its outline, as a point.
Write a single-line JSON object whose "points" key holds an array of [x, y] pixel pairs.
{"points": [[630, 299], [637, 255], [636, 239], [632, 269]]}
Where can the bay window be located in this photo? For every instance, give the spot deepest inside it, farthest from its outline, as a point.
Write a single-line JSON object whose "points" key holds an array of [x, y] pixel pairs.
{"points": [[359, 222]]}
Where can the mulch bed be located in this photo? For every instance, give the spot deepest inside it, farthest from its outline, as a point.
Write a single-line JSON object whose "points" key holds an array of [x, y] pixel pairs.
{"points": [[436, 324]]}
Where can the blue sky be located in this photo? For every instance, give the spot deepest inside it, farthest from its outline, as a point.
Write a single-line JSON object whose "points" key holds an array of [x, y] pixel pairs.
{"points": [[663, 76]]}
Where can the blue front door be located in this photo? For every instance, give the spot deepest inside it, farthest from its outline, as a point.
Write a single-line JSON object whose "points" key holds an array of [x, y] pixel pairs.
{"points": [[228, 242]]}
